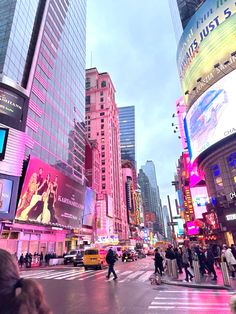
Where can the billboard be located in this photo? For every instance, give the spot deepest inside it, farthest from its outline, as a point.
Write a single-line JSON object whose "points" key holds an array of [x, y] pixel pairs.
{"points": [[212, 220], [192, 228], [208, 40], [3, 142], [211, 118], [89, 207], [5, 195], [49, 197], [200, 200]]}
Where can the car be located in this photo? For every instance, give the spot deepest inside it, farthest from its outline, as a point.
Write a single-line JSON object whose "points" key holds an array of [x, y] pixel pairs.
{"points": [[140, 253], [94, 258], [128, 255], [68, 258], [150, 251], [78, 259]]}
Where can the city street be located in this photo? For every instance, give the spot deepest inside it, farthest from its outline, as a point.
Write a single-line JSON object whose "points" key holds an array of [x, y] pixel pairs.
{"points": [[71, 290]]}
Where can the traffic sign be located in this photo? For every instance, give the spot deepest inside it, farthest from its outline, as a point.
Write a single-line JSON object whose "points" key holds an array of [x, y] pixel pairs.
{"points": [[172, 223]]}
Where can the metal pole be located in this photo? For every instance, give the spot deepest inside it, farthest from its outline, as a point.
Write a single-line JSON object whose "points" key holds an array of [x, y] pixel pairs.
{"points": [[171, 217]]}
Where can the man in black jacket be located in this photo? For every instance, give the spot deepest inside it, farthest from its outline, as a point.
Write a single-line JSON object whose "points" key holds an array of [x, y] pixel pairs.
{"points": [[111, 259], [210, 262]]}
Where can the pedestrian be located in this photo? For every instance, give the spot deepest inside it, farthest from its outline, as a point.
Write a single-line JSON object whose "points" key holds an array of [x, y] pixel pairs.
{"points": [[210, 262], [41, 258], [231, 261], [233, 250], [21, 260], [18, 295], [186, 265], [178, 256], [111, 259], [158, 262]]}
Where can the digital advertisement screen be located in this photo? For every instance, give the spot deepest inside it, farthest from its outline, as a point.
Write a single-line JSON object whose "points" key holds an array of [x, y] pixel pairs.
{"points": [[11, 104], [212, 116], [89, 207], [49, 197], [212, 220], [5, 195], [192, 229], [3, 142], [208, 39], [200, 200]]}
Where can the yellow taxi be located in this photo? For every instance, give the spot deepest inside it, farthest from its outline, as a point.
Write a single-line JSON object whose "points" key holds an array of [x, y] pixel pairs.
{"points": [[94, 258]]}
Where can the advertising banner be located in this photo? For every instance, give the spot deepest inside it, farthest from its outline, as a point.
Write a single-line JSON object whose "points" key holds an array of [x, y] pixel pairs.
{"points": [[11, 104], [208, 40], [5, 195], [212, 116], [200, 200], [49, 197], [212, 220], [89, 207], [192, 228]]}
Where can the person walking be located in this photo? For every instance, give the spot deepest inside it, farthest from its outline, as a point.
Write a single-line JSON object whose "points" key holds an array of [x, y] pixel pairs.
{"points": [[21, 260], [111, 259], [178, 256], [185, 260], [158, 262], [231, 261], [210, 262], [18, 295]]}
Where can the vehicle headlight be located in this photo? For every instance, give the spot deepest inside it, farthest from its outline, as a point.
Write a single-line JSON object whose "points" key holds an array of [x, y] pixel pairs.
{"points": [[74, 257]]}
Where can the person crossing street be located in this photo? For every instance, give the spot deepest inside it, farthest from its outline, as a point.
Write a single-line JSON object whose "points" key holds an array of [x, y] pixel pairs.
{"points": [[111, 258]]}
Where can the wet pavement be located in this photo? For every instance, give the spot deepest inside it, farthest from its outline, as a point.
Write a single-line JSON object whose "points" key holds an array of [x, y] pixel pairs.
{"points": [[72, 290]]}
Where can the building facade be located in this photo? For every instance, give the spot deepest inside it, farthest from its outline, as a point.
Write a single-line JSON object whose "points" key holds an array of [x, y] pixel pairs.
{"points": [[127, 133], [43, 51], [102, 125]]}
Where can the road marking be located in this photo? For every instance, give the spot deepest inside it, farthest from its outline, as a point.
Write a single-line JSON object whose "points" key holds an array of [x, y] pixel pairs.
{"points": [[58, 274], [85, 277], [98, 273], [200, 292], [145, 276], [39, 275], [29, 273], [132, 276], [176, 298], [189, 307], [183, 303]]}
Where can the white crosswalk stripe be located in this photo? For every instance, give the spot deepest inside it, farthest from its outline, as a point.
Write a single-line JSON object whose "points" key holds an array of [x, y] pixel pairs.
{"points": [[81, 275], [193, 300]]}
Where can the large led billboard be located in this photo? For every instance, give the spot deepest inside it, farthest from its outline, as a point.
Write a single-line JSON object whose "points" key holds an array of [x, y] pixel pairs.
{"points": [[206, 48], [212, 116], [89, 207], [49, 197], [200, 200]]}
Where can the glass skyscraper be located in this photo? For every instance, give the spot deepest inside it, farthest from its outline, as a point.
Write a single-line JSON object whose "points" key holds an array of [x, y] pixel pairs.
{"points": [[127, 133], [42, 48]]}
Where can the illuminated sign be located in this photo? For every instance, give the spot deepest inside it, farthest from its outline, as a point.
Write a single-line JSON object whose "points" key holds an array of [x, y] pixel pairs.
{"points": [[5, 195], [212, 116], [230, 217], [112, 239], [232, 195], [212, 220], [49, 197], [192, 228], [188, 204], [200, 200], [207, 40], [3, 142]]}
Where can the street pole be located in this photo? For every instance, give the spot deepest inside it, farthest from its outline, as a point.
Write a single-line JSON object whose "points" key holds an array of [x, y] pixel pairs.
{"points": [[171, 217]]}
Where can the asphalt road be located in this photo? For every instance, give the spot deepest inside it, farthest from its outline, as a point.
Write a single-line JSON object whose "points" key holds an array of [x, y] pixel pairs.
{"points": [[72, 290]]}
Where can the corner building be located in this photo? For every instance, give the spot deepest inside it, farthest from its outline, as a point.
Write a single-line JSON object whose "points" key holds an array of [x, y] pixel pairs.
{"points": [[43, 51], [102, 124]]}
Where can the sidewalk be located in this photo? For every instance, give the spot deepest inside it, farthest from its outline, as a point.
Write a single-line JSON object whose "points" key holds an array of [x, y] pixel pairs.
{"points": [[206, 282]]}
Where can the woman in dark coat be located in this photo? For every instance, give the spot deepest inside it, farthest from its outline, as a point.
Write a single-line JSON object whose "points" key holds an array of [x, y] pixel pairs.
{"points": [[158, 262]]}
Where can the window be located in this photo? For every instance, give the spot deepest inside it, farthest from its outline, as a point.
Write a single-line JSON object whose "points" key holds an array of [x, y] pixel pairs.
{"points": [[101, 99], [89, 135], [215, 170], [102, 126], [103, 170], [103, 163], [101, 93], [97, 134], [88, 129], [102, 107], [103, 147], [103, 186], [88, 122], [87, 109], [87, 100], [103, 84], [103, 178], [102, 120], [88, 83], [102, 133], [103, 155], [102, 113]]}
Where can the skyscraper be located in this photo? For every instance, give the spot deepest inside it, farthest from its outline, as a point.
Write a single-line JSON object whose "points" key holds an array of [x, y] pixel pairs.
{"points": [[150, 171], [42, 55], [127, 133], [102, 125]]}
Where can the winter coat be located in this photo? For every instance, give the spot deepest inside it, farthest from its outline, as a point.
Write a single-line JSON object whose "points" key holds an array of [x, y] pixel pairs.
{"points": [[158, 258], [229, 257], [185, 258], [110, 257]]}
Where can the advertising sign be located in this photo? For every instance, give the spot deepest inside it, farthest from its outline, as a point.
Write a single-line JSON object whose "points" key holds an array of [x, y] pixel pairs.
{"points": [[200, 200], [212, 220], [49, 197], [3, 142], [11, 104], [89, 207], [208, 40], [212, 116], [192, 228], [5, 195]]}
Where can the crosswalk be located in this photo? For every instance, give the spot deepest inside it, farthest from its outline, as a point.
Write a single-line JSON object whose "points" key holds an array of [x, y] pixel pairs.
{"points": [[81, 275], [191, 301]]}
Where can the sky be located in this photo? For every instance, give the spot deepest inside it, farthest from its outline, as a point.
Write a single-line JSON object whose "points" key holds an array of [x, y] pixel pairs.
{"points": [[134, 41]]}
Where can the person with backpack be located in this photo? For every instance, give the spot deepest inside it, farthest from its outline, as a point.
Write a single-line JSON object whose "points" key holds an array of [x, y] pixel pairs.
{"points": [[111, 259]]}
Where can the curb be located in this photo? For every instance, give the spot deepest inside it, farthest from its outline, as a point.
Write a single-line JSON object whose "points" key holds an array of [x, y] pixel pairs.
{"points": [[195, 285]]}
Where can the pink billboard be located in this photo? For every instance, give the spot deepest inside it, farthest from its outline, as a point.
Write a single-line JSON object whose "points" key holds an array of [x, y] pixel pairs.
{"points": [[49, 197], [192, 228], [200, 200]]}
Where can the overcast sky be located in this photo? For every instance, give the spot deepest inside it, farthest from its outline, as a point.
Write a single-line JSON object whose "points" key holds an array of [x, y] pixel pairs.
{"points": [[133, 40]]}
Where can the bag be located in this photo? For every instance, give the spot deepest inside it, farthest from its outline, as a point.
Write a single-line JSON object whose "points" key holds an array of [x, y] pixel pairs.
{"points": [[155, 279]]}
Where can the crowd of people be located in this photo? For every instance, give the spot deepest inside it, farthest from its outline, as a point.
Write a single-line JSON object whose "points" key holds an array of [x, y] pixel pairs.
{"points": [[209, 258], [27, 259]]}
